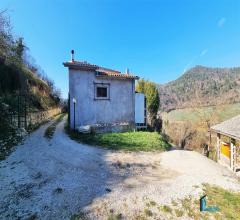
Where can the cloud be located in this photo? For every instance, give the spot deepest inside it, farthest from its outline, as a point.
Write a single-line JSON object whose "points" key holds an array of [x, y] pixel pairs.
{"points": [[194, 59], [203, 53], [188, 65], [221, 22]]}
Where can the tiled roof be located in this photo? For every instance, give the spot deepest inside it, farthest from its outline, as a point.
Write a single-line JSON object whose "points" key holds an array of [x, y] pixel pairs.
{"points": [[104, 72], [101, 71], [229, 127], [80, 64], [107, 70]]}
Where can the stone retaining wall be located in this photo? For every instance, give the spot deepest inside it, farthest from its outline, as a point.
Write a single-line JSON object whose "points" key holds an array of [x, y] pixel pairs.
{"points": [[41, 116]]}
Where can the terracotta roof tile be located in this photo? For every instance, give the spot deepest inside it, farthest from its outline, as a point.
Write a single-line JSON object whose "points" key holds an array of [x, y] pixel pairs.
{"points": [[102, 71]]}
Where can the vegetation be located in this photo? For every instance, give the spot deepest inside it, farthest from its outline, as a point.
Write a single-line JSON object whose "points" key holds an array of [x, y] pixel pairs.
{"points": [[114, 217], [151, 92], [166, 208], [148, 212], [49, 132], [210, 86], [20, 75], [227, 202], [9, 137], [222, 112], [128, 141], [190, 126]]}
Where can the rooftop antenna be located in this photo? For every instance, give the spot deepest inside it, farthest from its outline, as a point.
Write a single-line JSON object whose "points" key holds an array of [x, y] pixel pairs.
{"points": [[72, 55]]}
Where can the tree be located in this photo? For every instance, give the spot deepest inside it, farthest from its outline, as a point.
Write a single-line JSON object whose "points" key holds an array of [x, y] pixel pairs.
{"points": [[6, 38], [140, 86], [151, 92], [19, 48]]}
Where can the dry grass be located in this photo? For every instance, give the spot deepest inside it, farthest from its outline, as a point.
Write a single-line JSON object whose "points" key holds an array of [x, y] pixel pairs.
{"points": [[49, 132]]}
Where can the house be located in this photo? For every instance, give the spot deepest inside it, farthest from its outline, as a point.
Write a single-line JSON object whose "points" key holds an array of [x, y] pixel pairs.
{"points": [[100, 97], [228, 142]]}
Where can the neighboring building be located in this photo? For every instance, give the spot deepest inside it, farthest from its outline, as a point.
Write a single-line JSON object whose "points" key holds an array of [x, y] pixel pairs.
{"points": [[228, 142], [100, 95]]}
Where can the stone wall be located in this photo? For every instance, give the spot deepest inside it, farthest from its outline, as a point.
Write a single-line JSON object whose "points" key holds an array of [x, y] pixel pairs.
{"points": [[41, 116], [116, 127], [31, 118]]}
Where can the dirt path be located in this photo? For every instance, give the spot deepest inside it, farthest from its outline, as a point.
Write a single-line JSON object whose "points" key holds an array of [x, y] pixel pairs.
{"points": [[54, 179]]}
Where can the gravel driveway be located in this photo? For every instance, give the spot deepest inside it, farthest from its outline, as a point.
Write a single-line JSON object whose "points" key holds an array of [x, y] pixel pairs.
{"points": [[57, 178]]}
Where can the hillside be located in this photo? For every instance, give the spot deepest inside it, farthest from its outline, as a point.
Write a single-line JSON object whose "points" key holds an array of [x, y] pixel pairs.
{"points": [[201, 86], [24, 89], [19, 75], [18, 79]]}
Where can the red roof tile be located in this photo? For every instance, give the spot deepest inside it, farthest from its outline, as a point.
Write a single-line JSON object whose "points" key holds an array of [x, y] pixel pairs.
{"points": [[102, 71]]}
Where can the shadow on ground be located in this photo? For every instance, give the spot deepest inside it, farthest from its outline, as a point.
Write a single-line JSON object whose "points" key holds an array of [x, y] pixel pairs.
{"points": [[53, 179]]}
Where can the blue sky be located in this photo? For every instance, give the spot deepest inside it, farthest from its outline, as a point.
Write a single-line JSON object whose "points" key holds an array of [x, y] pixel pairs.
{"points": [[156, 40]]}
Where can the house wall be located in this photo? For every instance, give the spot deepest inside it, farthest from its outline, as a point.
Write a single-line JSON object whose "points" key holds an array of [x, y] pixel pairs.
{"points": [[119, 108]]}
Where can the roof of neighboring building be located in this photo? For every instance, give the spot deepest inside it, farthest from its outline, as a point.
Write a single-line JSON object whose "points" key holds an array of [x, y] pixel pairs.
{"points": [[102, 71], [229, 127]]}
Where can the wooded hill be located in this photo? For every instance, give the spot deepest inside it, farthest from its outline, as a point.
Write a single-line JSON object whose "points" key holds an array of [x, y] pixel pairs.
{"points": [[201, 86]]}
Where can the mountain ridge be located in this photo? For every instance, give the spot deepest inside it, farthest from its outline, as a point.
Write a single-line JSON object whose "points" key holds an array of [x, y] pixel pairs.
{"points": [[201, 86]]}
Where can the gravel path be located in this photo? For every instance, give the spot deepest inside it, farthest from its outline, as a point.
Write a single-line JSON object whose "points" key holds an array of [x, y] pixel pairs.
{"points": [[54, 179]]}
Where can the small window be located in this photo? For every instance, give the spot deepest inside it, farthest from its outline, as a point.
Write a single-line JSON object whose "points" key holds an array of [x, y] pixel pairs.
{"points": [[101, 91]]}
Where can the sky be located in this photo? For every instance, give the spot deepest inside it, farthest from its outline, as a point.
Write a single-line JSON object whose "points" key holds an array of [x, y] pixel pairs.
{"points": [[156, 40]]}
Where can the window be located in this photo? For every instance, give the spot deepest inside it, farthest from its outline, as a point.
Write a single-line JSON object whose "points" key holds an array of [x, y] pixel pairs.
{"points": [[101, 91]]}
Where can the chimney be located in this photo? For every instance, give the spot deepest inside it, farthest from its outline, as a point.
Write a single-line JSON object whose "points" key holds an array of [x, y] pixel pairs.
{"points": [[72, 55], [127, 71]]}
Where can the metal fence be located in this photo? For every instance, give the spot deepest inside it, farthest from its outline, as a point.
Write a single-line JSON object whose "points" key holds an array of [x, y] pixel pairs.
{"points": [[22, 118]]}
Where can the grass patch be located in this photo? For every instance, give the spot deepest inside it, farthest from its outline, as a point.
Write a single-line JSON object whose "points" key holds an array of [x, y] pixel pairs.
{"points": [[166, 208], [129, 141], [228, 202], [148, 212], [115, 217], [179, 212], [152, 203], [80, 216], [51, 129], [189, 114]]}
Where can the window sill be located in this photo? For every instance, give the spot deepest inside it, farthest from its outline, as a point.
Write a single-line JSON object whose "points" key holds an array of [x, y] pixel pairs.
{"points": [[101, 99]]}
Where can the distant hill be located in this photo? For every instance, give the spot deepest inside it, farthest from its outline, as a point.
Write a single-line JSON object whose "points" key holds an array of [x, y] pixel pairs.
{"points": [[201, 86]]}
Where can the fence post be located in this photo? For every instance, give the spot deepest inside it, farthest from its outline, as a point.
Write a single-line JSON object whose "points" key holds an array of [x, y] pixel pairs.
{"points": [[25, 111], [18, 111]]}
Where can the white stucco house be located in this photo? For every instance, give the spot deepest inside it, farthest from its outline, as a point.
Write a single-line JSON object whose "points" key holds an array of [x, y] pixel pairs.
{"points": [[100, 96]]}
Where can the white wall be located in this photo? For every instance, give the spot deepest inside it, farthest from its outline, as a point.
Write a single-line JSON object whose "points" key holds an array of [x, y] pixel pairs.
{"points": [[119, 108], [139, 108]]}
